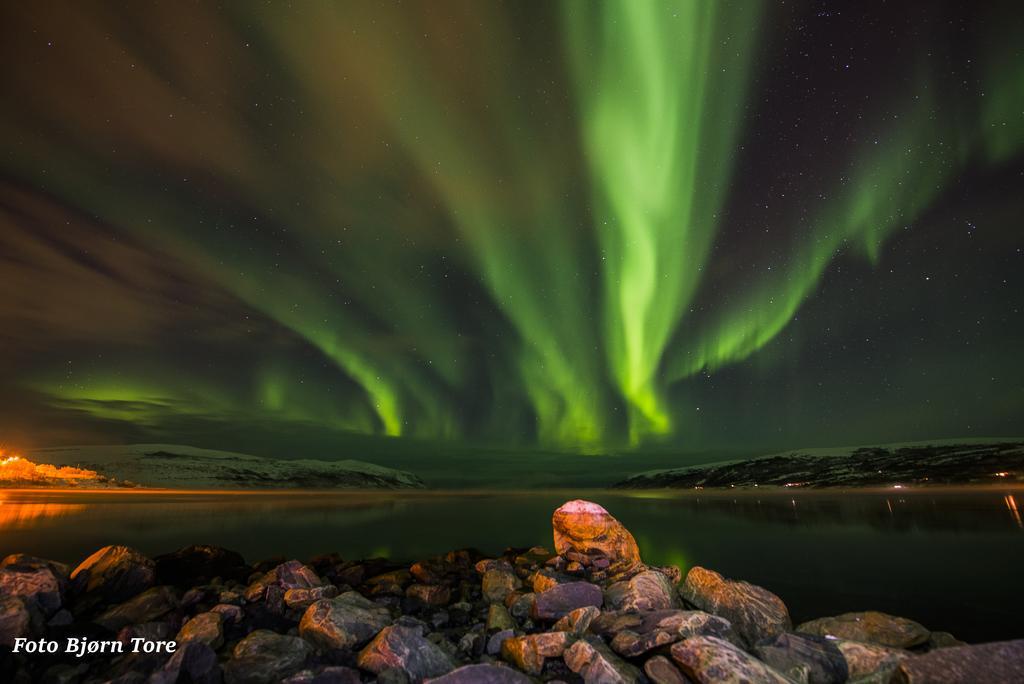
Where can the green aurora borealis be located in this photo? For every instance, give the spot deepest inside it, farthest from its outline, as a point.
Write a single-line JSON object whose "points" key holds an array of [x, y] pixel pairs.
{"points": [[572, 226]]}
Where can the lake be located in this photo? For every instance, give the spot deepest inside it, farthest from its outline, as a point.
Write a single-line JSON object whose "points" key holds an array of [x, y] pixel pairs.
{"points": [[950, 559]]}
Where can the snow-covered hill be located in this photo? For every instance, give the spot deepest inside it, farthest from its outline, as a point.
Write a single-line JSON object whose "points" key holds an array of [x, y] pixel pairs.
{"points": [[180, 467]]}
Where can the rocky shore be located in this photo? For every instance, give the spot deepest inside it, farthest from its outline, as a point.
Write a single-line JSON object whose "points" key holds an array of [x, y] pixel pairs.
{"points": [[589, 611]]}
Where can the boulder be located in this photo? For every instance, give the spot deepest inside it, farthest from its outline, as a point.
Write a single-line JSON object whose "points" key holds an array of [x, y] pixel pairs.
{"points": [[639, 633], [992, 663], [111, 575], [146, 607], [710, 660], [594, 537], [869, 627], [754, 613], [15, 619], [562, 599], [648, 590], [199, 564], [348, 621], [592, 660], [660, 670], [869, 660], [577, 622], [529, 652], [35, 585], [264, 657], [207, 628], [482, 673], [404, 648], [816, 660], [193, 662]]}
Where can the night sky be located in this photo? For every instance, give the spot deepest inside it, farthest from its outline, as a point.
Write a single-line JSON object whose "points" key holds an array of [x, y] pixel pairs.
{"points": [[297, 228]]}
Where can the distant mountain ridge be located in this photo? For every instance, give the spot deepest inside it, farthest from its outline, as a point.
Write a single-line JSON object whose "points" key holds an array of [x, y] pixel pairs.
{"points": [[182, 467], [948, 461]]}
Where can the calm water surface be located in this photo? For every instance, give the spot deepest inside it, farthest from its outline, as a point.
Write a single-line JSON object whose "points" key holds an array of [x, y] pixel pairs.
{"points": [[951, 560]]}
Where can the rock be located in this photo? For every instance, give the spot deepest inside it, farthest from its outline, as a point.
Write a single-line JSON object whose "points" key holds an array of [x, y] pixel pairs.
{"points": [[288, 575], [146, 607], [520, 605], [15, 620], [648, 590], [497, 639], [869, 627], [866, 660], [660, 670], [529, 652], [577, 622], [111, 575], [639, 633], [710, 660], [264, 657], [404, 648], [992, 663], [943, 640], [481, 673], [193, 662], [34, 580], [430, 594], [815, 660], [207, 628], [754, 613], [592, 660], [62, 618], [348, 621], [232, 614], [588, 530], [199, 564], [24, 561], [332, 674], [498, 618], [499, 580], [389, 583], [545, 578], [301, 598], [562, 599]]}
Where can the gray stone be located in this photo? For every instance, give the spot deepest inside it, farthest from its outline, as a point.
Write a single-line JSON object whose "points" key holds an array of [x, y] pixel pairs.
{"points": [[497, 639], [638, 633], [562, 599], [710, 660], [482, 673], [348, 621], [870, 627], [264, 657], [814, 659], [146, 607], [993, 663], [405, 649], [755, 613]]}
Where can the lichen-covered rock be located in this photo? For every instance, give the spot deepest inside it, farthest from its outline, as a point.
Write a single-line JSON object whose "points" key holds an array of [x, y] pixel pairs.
{"points": [[815, 660], [430, 594], [111, 575], [301, 598], [36, 585], [870, 627], [146, 607], [648, 590], [755, 613], [199, 564], [562, 599], [869, 660], [348, 621], [265, 657], [591, 533], [993, 663], [207, 628], [578, 621], [638, 633], [288, 575], [710, 660], [404, 648], [660, 670], [592, 660], [529, 652], [481, 673]]}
